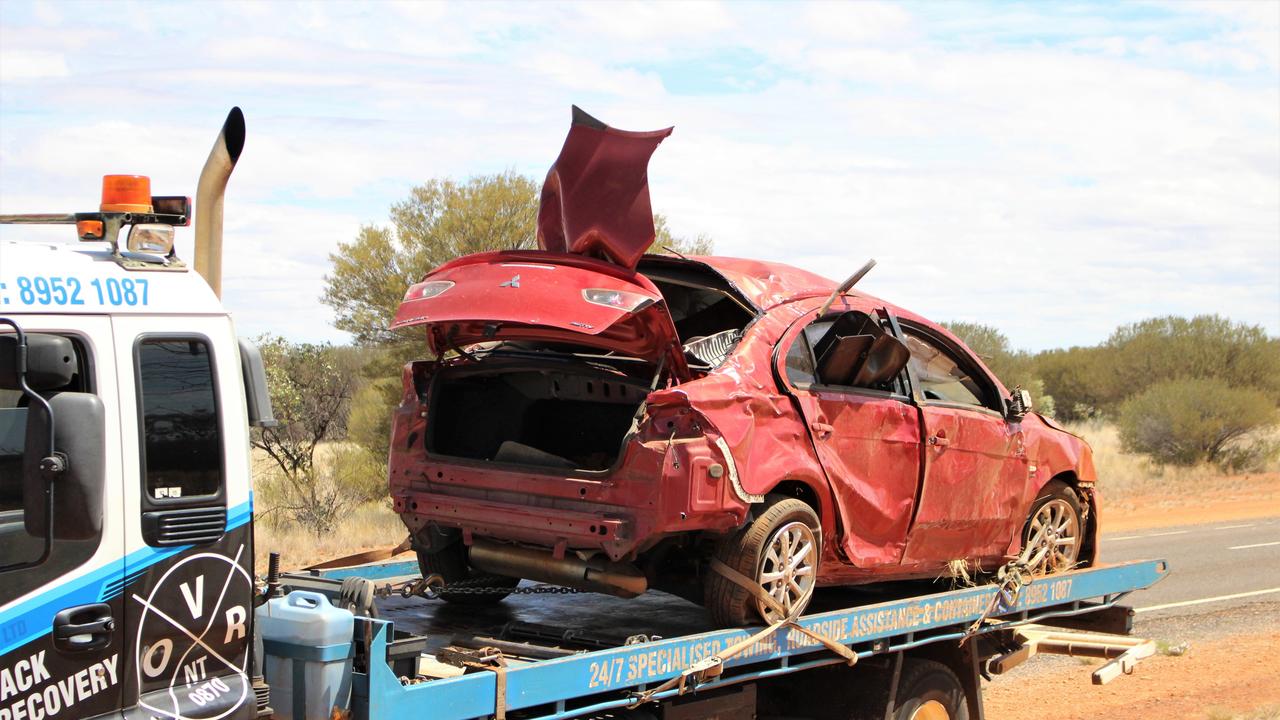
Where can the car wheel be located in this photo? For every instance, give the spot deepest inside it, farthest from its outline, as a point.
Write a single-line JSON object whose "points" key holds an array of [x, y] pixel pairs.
{"points": [[928, 690], [451, 564], [780, 549], [1054, 531]]}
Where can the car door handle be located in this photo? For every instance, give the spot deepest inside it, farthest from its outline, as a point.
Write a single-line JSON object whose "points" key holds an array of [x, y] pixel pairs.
{"points": [[939, 439], [821, 428], [83, 628]]}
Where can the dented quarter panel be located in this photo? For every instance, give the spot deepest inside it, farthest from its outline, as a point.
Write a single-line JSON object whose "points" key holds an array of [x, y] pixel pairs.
{"points": [[1056, 453]]}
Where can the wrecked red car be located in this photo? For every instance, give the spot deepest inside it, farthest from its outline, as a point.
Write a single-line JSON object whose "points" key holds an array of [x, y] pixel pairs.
{"points": [[593, 416]]}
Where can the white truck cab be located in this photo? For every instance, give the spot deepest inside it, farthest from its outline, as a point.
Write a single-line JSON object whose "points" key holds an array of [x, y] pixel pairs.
{"points": [[126, 549]]}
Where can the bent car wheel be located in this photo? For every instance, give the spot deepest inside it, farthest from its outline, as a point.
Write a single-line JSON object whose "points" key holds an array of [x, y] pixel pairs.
{"points": [[928, 690], [451, 564], [780, 550], [1054, 531]]}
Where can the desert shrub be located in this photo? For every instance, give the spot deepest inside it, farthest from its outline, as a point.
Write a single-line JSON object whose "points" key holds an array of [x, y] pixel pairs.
{"points": [[1183, 422], [1072, 377], [360, 476], [1149, 352], [310, 388]]}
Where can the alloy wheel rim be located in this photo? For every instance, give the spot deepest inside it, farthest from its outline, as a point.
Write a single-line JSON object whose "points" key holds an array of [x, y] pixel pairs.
{"points": [[788, 570], [1053, 537], [931, 710]]}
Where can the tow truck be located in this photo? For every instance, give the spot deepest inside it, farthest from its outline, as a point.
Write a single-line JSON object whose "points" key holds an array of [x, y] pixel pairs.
{"points": [[128, 589]]}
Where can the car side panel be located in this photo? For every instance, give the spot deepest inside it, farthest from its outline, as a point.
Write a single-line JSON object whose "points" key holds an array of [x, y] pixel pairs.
{"points": [[974, 486], [872, 455]]}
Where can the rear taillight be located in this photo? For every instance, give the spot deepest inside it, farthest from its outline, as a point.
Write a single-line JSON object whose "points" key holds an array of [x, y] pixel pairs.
{"points": [[621, 299], [429, 289]]}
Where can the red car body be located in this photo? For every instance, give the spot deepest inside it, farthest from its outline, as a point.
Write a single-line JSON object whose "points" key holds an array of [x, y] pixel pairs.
{"points": [[903, 483]]}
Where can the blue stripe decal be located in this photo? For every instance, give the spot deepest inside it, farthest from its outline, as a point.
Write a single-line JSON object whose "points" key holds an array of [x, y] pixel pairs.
{"points": [[30, 620]]}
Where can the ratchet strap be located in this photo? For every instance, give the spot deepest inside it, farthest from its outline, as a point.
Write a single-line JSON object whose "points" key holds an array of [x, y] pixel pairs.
{"points": [[1012, 577], [493, 661], [363, 558], [711, 667]]}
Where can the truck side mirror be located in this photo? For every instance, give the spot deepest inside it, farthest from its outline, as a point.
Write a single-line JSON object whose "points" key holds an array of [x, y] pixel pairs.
{"points": [[257, 394], [80, 432]]}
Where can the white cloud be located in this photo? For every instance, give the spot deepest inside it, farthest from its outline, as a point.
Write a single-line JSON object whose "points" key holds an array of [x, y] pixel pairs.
{"points": [[1051, 170], [24, 65]]}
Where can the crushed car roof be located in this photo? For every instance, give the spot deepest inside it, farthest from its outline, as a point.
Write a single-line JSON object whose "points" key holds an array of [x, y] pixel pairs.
{"points": [[766, 284]]}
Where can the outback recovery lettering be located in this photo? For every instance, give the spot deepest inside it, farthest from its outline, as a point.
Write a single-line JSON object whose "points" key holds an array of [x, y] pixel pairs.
{"points": [[24, 679]]}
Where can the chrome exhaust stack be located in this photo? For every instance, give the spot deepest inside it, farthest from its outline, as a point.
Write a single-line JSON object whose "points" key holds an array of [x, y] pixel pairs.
{"points": [[209, 195], [596, 575]]}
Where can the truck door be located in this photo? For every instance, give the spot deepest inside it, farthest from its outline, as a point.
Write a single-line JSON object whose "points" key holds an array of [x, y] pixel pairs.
{"points": [[62, 638], [189, 596]]}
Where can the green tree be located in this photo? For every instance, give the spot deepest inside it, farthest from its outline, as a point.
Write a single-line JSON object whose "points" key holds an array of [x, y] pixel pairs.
{"points": [[311, 387], [1190, 420], [1072, 377], [439, 221]]}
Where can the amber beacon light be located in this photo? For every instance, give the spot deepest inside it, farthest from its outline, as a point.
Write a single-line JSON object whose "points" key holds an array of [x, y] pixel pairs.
{"points": [[126, 193]]}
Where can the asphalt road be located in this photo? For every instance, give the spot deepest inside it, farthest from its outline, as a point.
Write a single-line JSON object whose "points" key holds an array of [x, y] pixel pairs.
{"points": [[1212, 567]]}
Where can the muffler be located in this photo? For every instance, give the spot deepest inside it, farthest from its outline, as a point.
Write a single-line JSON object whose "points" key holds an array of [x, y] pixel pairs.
{"points": [[595, 575], [209, 195]]}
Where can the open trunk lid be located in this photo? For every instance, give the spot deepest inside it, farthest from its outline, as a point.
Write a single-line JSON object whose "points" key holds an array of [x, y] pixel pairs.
{"points": [[543, 296]]}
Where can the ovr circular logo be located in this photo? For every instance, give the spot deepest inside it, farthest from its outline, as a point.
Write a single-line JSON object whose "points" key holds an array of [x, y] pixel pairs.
{"points": [[192, 644]]}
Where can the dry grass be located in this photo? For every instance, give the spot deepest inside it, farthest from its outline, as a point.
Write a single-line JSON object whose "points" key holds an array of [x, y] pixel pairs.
{"points": [[370, 527], [1125, 478]]}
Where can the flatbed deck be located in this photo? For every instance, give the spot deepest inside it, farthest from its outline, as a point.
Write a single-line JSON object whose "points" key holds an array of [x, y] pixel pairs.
{"points": [[580, 683]]}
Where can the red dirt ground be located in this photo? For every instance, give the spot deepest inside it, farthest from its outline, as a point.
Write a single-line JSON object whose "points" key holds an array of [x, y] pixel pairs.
{"points": [[1234, 677]]}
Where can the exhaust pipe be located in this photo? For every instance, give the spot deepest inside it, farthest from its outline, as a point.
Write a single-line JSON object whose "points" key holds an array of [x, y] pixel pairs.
{"points": [[596, 575], [209, 194]]}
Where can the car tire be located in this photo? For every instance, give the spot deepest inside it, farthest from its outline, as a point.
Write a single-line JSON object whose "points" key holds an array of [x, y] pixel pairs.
{"points": [[755, 551], [450, 563], [928, 690], [1055, 525]]}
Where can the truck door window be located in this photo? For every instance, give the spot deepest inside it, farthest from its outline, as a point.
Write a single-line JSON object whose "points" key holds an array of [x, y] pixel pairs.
{"points": [[182, 444], [16, 544]]}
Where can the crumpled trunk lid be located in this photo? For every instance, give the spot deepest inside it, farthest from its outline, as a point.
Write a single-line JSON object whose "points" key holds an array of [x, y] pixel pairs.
{"points": [[595, 200]]}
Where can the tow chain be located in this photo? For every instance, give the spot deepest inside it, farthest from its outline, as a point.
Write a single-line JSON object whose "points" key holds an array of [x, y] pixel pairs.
{"points": [[433, 587]]}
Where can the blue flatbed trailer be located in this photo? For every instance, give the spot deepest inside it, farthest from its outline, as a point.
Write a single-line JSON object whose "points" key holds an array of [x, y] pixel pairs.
{"points": [[787, 674]]}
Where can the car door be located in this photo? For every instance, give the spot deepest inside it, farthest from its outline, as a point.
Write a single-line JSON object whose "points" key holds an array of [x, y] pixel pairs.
{"points": [[974, 468], [62, 639], [868, 441]]}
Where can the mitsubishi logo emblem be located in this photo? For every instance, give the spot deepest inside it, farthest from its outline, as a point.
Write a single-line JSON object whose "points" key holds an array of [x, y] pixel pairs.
{"points": [[513, 282]]}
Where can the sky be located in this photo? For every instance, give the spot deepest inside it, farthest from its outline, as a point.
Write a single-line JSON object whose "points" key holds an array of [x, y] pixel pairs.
{"points": [[1053, 170]]}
